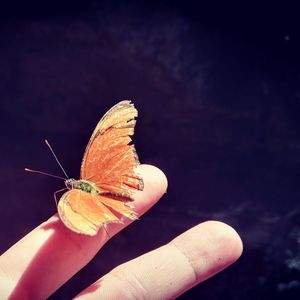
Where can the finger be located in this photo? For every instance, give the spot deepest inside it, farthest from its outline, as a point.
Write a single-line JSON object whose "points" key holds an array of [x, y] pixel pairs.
{"points": [[169, 271], [49, 255]]}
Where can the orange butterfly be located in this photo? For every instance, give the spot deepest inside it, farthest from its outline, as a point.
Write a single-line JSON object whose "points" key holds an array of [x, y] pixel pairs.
{"points": [[107, 176]]}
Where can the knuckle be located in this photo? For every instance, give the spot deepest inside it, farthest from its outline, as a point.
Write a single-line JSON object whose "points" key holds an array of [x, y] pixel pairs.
{"points": [[130, 285]]}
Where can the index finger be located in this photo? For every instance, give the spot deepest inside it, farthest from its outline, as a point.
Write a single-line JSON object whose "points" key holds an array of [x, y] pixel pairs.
{"points": [[49, 255]]}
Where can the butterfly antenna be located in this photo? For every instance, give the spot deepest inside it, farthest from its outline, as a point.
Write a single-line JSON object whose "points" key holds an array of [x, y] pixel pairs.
{"points": [[44, 173], [47, 143]]}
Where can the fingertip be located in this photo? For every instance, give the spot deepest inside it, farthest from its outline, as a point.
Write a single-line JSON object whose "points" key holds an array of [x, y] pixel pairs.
{"points": [[155, 186], [227, 238], [210, 247], [155, 175]]}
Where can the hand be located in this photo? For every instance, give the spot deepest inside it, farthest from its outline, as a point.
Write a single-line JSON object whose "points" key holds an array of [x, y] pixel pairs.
{"points": [[37, 265]]}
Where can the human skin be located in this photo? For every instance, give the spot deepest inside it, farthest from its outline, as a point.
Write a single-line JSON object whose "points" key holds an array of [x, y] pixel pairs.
{"points": [[48, 256]]}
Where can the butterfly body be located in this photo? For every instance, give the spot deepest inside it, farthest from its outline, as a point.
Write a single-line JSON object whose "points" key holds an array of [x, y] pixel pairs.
{"points": [[83, 185], [108, 177]]}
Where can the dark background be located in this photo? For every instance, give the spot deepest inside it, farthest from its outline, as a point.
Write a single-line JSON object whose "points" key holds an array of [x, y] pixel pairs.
{"points": [[217, 89]]}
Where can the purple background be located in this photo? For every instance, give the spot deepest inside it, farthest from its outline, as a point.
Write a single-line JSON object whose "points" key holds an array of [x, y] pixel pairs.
{"points": [[218, 93]]}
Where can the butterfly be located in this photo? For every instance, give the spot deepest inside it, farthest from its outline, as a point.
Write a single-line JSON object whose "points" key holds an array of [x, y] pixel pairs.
{"points": [[108, 177]]}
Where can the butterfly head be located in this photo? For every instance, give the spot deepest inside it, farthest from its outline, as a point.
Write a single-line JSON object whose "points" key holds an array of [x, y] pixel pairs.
{"points": [[71, 183]]}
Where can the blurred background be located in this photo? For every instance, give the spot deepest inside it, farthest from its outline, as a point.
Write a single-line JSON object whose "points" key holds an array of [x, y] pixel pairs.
{"points": [[217, 87]]}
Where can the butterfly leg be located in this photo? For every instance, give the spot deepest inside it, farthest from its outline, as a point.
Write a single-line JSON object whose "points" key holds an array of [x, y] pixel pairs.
{"points": [[54, 195], [105, 229]]}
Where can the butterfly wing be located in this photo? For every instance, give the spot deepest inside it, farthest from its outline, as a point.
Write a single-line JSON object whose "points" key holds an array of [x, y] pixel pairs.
{"points": [[118, 204], [85, 213], [109, 161]]}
